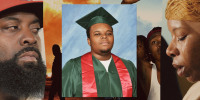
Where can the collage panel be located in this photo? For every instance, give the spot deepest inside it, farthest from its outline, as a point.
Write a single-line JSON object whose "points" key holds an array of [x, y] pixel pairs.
{"points": [[74, 40], [181, 32], [171, 84], [149, 49], [53, 35], [22, 50]]}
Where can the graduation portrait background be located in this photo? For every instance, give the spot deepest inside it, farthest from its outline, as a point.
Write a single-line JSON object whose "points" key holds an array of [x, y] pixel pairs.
{"points": [[74, 38]]}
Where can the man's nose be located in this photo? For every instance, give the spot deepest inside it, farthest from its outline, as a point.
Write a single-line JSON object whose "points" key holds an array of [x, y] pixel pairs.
{"points": [[28, 38], [104, 36], [172, 50]]}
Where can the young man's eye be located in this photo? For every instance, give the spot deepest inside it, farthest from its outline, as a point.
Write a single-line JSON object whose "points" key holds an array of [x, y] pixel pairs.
{"points": [[182, 38], [97, 34], [108, 33]]}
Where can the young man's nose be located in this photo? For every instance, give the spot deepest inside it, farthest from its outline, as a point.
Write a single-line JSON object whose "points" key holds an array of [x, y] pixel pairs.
{"points": [[104, 36]]}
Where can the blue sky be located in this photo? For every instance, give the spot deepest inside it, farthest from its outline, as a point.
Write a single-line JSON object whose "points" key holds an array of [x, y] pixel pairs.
{"points": [[74, 39], [165, 32], [149, 15]]}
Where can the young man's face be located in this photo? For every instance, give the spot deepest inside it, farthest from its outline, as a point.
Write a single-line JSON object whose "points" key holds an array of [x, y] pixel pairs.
{"points": [[101, 38], [185, 48], [155, 46], [18, 31]]}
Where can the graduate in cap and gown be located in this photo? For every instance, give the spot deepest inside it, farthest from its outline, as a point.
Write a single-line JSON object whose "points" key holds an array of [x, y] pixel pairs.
{"points": [[99, 73]]}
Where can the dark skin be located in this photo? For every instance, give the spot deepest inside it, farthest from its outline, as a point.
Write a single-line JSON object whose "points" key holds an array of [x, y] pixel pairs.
{"points": [[154, 48], [129, 1], [144, 68], [101, 41], [17, 31], [184, 48]]}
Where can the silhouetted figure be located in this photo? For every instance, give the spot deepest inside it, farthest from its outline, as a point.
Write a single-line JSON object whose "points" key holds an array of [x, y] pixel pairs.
{"points": [[56, 73], [170, 88]]}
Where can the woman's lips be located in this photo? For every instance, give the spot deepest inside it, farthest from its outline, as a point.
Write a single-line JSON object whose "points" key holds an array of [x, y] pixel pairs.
{"points": [[180, 69]]}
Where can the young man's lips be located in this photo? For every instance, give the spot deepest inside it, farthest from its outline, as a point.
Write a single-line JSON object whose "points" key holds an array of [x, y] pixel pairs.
{"points": [[104, 43], [29, 56]]}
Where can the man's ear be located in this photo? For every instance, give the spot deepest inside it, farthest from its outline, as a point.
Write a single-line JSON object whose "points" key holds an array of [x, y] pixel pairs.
{"points": [[88, 40]]}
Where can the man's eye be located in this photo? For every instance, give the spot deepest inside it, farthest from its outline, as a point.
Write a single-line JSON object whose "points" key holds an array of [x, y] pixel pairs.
{"points": [[108, 33], [97, 34], [11, 28], [182, 38], [36, 30]]}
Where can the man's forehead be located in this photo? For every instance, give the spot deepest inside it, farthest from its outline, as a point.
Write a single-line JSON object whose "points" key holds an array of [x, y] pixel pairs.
{"points": [[15, 14], [97, 25], [19, 16], [29, 7]]}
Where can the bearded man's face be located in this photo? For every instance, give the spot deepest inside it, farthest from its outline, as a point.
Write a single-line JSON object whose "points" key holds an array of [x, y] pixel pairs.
{"points": [[22, 72]]}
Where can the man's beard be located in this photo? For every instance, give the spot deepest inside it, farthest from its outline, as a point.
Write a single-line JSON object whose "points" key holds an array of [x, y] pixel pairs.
{"points": [[105, 51], [17, 81]]}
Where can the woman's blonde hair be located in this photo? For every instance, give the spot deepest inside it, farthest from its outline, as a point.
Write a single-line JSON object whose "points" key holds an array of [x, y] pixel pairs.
{"points": [[183, 10]]}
